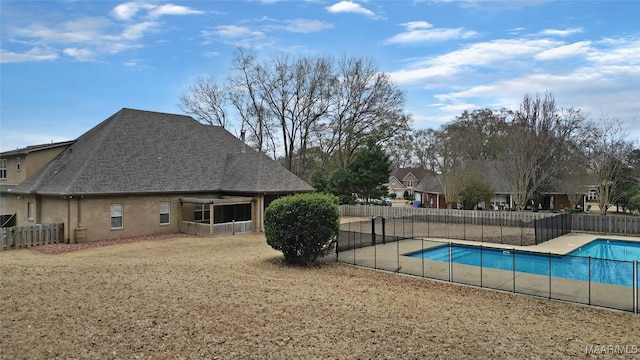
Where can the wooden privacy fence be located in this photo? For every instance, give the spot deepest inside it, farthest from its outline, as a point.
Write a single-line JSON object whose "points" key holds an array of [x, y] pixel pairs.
{"points": [[482, 216], [609, 224], [28, 236]]}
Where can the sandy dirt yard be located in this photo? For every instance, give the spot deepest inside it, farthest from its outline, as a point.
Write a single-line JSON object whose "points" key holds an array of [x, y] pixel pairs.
{"points": [[232, 298]]}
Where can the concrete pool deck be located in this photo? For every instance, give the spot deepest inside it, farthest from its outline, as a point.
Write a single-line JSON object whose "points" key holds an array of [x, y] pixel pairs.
{"points": [[559, 246], [390, 257]]}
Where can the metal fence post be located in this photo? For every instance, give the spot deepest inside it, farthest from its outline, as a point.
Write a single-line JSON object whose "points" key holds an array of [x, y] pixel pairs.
{"points": [[481, 265], [513, 267], [422, 248], [635, 286], [450, 262], [589, 279], [549, 274]]}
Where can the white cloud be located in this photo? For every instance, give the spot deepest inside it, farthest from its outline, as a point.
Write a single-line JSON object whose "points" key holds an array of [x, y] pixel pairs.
{"points": [[211, 54], [497, 53], [306, 26], [88, 38], [561, 33], [34, 54], [565, 51], [349, 7], [79, 54], [136, 31], [170, 9], [126, 11], [234, 31], [422, 74], [415, 25], [423, 35], [617, 51], [242, 36], [601, 78], [74, 31]]}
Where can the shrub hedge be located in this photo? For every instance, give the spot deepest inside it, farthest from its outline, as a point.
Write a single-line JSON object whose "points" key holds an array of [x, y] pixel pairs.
{"points": [[304, 226]]}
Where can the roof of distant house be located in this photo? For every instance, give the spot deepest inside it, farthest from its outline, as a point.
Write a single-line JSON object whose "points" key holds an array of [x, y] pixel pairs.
{"points": [[401, 173], [136, 151], [33, 148]]}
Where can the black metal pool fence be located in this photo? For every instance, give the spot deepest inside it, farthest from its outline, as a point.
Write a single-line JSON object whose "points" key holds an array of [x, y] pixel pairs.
{"points": [[493, 230], [515, 275]]}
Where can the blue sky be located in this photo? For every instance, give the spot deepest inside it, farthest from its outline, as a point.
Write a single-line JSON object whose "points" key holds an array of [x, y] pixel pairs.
{"points": [[65, 66]]}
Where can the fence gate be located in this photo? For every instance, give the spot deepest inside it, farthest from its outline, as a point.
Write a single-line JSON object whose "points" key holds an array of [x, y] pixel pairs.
{"points": [[383, 232]]}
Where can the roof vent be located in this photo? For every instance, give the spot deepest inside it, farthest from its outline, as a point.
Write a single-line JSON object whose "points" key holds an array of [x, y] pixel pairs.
{"points": [[242, 137]]}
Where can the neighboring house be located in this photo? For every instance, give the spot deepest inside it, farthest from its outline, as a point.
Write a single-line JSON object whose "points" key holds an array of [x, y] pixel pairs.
{"points": [[430, 193], [141, 172], [18, 165], [406, 180]]}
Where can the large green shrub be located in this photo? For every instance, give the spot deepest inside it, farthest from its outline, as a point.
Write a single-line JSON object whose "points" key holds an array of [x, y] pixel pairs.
{"points": [[304, 227]]}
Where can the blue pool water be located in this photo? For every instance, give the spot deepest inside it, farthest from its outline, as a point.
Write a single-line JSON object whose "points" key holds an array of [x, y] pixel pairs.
{"points": [[611, 261], [610, 249]]}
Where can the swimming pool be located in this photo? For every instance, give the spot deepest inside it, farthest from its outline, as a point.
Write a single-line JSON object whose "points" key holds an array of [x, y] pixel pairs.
{"points": [[610, 249], [577, 265]]}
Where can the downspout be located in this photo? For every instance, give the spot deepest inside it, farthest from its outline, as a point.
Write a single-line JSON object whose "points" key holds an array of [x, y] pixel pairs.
{"points": [[68, 220], [211, 218], [79, 213]]}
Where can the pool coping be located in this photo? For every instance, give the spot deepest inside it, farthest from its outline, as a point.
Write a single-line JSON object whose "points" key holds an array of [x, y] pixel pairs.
{"points": [[559, 246]]}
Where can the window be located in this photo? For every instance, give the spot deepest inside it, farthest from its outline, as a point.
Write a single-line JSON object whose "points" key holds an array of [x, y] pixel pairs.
{"points": [[201, 212], [3, 168], [165, 212], [592, 195], [18, 163], [30, 212], [117, 216]]}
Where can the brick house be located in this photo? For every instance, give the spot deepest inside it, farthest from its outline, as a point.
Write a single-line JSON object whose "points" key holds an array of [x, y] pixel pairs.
{"points": [[142, 172]]}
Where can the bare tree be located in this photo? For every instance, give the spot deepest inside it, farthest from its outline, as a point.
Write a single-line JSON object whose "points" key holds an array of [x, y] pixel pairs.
{"points": [[290, 105], [296, 93], [450, 164], [425, 142], [365, 105], [537, 143], [574, 179], [478, 134], [206, 100], [249, 104], [401, 150], [607, 154]]}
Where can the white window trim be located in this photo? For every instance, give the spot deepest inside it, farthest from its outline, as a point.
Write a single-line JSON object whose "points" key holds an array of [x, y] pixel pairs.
{"points": [[121, 217], [31, 211], [168, 212], [3, 169]]}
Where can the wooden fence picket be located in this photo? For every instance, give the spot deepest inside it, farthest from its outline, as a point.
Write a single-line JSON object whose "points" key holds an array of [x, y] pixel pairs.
{"points": [[28, 236]]}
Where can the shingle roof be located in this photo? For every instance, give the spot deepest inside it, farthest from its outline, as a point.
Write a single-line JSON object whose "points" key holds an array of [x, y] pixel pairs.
{"points": [[491, 170], [401, 173], [136, 151]]}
